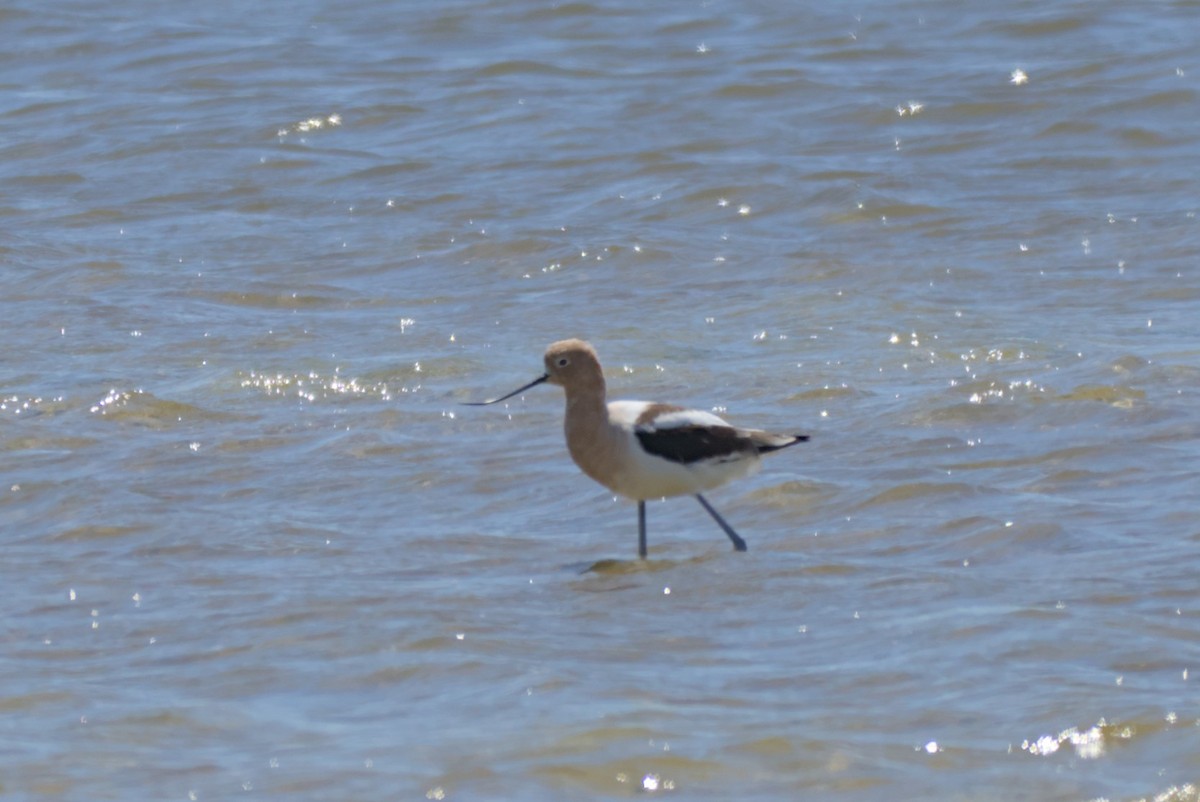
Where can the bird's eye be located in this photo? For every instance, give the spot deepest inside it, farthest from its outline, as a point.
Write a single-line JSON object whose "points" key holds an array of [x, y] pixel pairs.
{"points": [[562, 362]]}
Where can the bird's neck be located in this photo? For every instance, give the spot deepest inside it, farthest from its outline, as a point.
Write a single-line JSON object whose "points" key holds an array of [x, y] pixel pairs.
{"points": [[590, 437], [587, 404]]}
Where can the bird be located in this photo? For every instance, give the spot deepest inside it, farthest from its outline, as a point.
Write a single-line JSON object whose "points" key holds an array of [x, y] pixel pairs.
{"points": [[644, 450]]}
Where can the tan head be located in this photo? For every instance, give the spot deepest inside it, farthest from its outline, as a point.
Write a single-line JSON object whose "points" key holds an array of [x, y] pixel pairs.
{"points": [[573, 365]]}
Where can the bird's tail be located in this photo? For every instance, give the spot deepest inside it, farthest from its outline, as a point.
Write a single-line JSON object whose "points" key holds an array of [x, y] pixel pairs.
{"points": [[767, 442]]}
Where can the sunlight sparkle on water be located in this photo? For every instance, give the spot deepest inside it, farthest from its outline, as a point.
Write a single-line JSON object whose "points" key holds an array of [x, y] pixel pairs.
{"points": [[314, 386], [652, 782], [114, 399], [1089, 744], [311, 124]]}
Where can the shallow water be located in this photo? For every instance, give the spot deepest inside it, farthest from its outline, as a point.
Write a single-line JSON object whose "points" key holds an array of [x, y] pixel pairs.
{"points": [[255, 257]]}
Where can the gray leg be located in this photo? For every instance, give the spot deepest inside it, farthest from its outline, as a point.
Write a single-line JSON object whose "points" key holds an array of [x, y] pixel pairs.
{"points": [[642, 529], [738, 543]]}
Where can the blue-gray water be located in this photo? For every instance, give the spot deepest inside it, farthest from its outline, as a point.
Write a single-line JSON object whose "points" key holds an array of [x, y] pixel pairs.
{"points": [[254, 256]]}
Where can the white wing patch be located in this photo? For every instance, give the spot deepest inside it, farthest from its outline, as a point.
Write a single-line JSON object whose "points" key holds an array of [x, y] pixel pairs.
{"points": [[684, 418], [626, 414]]}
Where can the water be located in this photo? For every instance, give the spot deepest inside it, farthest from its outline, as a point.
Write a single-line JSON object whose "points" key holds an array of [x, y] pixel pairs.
{"points": [[255, 256]]}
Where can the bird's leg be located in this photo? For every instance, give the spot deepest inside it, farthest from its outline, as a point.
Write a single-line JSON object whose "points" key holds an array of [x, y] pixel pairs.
{"points": [[642, 529], [738, 543]]}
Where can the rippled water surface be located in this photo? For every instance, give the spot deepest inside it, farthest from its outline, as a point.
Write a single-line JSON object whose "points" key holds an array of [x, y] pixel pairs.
{"points": [[255, 255]]}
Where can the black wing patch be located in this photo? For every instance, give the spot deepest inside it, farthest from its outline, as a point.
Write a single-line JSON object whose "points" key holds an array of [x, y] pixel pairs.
{"points": [[688, 444]]}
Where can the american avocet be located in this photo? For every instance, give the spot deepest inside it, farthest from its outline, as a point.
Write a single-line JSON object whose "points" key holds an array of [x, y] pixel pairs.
{"points": [[642, 450]]}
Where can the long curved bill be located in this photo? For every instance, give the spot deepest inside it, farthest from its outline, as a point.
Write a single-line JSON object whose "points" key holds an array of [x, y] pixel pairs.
{"points": [[518, 391]]}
